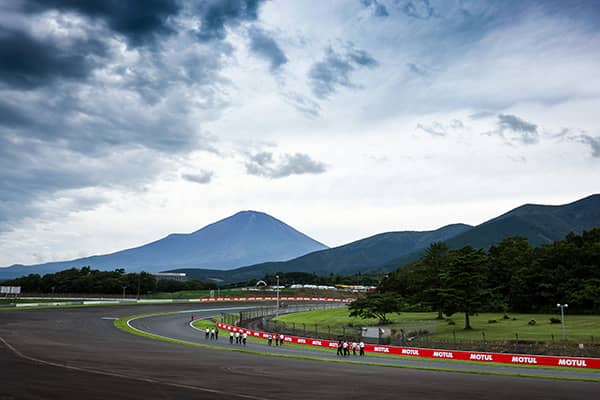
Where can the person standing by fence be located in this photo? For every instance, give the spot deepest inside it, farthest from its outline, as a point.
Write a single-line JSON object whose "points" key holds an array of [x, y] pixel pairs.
{"points": [[361, 346], [231, 337]]}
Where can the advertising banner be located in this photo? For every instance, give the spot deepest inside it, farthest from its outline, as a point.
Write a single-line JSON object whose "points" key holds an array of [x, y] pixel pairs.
{"points": [[504, 358]]}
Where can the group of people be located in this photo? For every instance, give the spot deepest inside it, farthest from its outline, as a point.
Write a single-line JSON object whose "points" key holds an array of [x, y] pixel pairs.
{"points": [[240, 338], [213, 334], [278, 339], [344, 348]]}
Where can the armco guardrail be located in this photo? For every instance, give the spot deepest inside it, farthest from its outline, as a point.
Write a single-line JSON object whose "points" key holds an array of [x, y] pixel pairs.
{"points": [[504, 358], [207, 299], [281, 298]]}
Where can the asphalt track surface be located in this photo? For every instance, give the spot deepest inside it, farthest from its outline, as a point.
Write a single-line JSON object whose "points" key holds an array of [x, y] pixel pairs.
{"points": [[78, 353]]}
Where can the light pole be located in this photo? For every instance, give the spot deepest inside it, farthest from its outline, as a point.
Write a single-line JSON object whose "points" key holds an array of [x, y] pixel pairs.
{"points": [[277, 289], [562, 318], [124, 287]]}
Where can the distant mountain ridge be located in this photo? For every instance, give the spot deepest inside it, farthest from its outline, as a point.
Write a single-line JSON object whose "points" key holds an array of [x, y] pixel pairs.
{"points": [[247, 237], [346, 259], [222, 250], [540, 224]]}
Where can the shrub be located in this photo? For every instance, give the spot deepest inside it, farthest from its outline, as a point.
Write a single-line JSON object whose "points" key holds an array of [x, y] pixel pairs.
{"points": [[506, 317], [554, 320], [532, 322], [492, 321]]}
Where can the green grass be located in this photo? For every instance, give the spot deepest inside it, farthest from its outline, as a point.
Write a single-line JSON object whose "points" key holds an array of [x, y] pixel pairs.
{"points": [[203, 324], [578, 327]]}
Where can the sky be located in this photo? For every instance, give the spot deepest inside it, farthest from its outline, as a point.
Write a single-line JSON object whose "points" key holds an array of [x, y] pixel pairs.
{"points": [[122, 123]]}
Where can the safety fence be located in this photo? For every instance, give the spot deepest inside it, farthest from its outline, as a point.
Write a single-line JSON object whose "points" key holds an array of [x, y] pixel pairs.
{"points": [[485, 357], [161, 301]]}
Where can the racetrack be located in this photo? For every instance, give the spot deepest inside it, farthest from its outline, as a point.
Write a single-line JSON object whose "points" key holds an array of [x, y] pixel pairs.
{"points": [[75, 353]]}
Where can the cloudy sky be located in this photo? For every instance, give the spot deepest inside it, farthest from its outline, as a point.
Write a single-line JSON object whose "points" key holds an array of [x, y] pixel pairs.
{"points": [[120, 124]]}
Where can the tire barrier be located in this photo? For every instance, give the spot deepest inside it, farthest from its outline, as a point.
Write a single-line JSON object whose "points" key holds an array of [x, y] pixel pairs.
{"points": [[503, 358]]}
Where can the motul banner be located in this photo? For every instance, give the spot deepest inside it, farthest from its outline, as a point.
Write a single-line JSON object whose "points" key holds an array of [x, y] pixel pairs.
{"points": [[553, 361]]}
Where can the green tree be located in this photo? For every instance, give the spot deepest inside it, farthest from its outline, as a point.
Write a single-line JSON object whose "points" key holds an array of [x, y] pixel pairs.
{"points": [[434, 264], [375, 305], [464, 283]]}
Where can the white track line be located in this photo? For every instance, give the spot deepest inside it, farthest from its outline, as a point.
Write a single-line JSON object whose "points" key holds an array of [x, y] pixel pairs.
{"points": [[124, 376]]}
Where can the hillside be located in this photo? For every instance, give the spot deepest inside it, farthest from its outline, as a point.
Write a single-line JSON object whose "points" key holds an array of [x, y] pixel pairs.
{"points": [[352, 257], [248, 237], [540, 224]]}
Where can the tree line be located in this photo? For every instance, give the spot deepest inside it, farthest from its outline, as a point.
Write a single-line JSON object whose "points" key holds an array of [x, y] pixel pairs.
{"points": [[512, 276], [87, 280]]}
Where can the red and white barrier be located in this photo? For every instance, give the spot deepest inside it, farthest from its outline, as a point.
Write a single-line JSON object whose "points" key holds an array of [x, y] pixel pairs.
{"points": [[505, 358], [260, 298]]}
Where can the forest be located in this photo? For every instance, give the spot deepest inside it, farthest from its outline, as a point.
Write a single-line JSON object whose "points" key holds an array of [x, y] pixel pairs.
{"points": [[91, 281], [511, 276]]}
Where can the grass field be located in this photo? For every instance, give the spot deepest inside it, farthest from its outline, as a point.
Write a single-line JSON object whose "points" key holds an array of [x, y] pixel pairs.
{"points": [[578, 327]]}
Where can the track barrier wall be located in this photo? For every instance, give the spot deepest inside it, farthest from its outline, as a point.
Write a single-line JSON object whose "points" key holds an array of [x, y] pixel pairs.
{"points": [[504, 358], [203, 300], [281, 298]]}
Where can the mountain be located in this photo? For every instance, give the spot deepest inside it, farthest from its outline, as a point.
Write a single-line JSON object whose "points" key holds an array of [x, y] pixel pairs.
{"points": [[353, 257], [540, 224], [248, 237]]}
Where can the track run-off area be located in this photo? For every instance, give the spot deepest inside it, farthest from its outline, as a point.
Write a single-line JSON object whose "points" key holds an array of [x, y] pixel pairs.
{"points": [[79, 353]]}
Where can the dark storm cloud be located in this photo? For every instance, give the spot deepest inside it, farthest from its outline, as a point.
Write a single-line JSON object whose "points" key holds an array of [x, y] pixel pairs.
{"points": [[11, 116], [266, 47], [379, 10], [481, 115], [335, 69], [593, 142], [79, 114], [27, 62], [512, 122], [420, 9], [216, 15], [264, 164], [304, 104], [418, 69], [201, 177], [526, 132], [514, 129], [138, 22], [435, 129]]}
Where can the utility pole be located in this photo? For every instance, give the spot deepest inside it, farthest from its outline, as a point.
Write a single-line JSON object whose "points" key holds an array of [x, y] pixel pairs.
{"points": [[277, 312], [124, 287]]}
